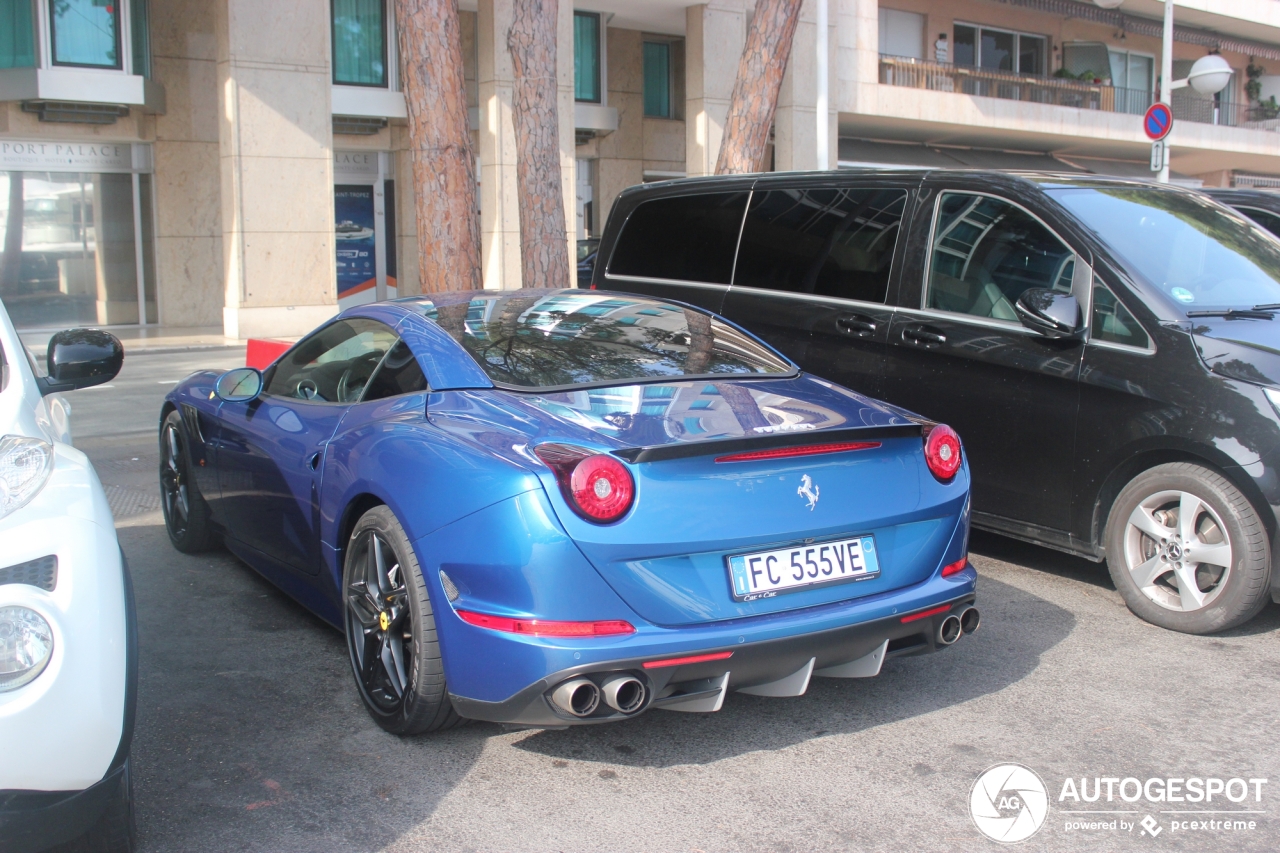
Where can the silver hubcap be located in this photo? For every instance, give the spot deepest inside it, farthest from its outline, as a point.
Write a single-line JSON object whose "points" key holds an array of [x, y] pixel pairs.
{"points": [[1177, 551]]}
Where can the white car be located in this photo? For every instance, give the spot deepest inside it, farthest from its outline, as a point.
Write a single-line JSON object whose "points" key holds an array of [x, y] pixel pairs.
{"points": [[68, 660]]}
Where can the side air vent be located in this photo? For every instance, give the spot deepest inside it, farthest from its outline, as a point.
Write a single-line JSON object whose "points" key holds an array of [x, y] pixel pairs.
{"points": [[42, 572]]}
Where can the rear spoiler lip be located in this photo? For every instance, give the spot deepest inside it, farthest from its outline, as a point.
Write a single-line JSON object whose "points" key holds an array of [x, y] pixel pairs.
{"points": [[684, 450]]}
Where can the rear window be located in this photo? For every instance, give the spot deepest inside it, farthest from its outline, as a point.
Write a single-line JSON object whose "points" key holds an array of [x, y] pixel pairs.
{"points": [[828, 242], [528, 339], [684, 238]]}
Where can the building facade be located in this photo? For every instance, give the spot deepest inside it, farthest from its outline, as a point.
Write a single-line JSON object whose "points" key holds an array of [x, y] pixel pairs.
{"points": [[243, 163]]}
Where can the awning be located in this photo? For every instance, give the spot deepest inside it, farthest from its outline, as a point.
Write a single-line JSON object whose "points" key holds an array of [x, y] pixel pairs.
{"points": [[1138, 169], [874, 153]]}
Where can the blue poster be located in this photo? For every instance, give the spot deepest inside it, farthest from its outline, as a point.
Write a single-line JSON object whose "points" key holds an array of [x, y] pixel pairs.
{"points": [[357, 266]]}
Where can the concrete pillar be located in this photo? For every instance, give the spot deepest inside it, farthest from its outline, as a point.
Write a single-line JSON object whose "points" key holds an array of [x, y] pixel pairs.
{"points": [[715, 33], [276, 153], [188, 220], [499, 201], [858, 55], [795, 142], [499, 197]]}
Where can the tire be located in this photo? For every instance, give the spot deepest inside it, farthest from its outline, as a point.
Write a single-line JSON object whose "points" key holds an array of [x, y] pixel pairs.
{"points": [[186, 514], [1152, 556], [391, 630], [115, 831]]}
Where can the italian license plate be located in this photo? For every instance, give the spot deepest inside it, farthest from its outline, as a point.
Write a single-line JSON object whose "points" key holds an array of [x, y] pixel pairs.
{"points": [[768, 573]]}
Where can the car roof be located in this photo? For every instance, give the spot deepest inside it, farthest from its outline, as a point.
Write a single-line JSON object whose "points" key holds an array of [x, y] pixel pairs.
{"points": [[1029, 179]]}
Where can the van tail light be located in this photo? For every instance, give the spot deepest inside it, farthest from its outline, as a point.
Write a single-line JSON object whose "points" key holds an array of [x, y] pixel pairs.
{"points": [[596, 486], [942, 451]]}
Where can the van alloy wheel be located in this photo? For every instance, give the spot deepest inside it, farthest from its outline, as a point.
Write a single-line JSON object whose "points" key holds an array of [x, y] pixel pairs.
{"points": [[1177, 551], [1187, 550]]}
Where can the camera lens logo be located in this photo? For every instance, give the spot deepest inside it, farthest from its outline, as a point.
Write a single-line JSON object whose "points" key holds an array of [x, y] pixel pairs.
{"points": [[1009, 803]]}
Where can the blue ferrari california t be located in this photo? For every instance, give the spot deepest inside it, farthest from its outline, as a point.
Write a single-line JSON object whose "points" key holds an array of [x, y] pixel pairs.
{"points": [[555, 507]]}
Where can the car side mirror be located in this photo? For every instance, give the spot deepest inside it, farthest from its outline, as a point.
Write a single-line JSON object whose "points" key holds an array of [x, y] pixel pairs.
{"points": [[81, 358], [1050, 313], [239, 385]]}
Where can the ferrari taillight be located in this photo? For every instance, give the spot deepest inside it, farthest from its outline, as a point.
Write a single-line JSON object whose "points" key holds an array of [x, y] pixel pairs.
{"points": [[942, 451], [596, 486]]}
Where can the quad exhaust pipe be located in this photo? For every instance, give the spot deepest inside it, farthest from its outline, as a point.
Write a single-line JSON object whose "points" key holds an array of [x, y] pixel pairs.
{"points": [[619, 691], [958, 624], [623, 693], [949, 630], [578, 696]]}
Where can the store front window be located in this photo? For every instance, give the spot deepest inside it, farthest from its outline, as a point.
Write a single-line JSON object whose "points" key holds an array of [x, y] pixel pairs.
{"points": [[85, 33], [364, 209], [75, 247], [360, 42]]}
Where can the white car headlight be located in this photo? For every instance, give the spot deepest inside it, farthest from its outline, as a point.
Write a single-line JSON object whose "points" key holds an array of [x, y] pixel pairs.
{"points": [[25, 465], [26, 644]]}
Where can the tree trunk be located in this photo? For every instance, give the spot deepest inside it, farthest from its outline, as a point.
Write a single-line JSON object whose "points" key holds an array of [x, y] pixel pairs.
{"points": [[444, 172], [11, 261], [544, 248], [755, 90]]}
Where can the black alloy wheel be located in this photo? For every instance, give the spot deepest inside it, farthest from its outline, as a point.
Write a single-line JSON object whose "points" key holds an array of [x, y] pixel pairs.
{"points": [[186, 515], [390, 630]]}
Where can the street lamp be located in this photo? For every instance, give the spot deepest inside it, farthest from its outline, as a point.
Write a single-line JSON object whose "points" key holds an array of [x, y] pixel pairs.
{"points": [[1209, 76]]}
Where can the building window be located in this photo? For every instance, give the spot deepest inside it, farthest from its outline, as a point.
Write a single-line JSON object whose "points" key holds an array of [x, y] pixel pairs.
{"points": [[360, 42], [1000, 50], [140, 37], [901, 33], [586, 57], [657, 79], [85, 33], [17, 34]]}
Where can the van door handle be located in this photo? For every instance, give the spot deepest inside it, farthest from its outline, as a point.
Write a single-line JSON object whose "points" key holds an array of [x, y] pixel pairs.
{"points": [[925, 336], [858, 325]]}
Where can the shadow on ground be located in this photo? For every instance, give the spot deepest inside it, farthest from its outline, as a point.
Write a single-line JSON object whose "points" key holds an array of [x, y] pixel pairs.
{"points": [[1017, 629], [250, 735]]}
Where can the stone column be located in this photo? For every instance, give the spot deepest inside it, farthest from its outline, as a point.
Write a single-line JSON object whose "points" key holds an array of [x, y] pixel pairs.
{"points": [[858, 55], [188, 220], [715, 33], [795, 141], [499, 201], [499, 198], [276, 156]]}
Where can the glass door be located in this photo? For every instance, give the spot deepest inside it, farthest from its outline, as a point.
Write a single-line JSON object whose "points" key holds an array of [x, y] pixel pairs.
{"points": [[364, 227]]}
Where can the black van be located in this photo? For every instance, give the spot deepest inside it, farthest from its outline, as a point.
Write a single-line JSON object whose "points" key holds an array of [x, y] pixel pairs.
{"points": [[1109, 350], [1261, 206]]}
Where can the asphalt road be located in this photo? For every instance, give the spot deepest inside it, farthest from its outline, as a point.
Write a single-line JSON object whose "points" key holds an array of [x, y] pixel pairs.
{"points": [[251, 737]]}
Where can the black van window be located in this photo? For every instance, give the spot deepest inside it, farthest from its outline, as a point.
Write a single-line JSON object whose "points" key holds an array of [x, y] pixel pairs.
{"points": [[986, 252], [1265, 218], [1112, 322], [829, 242], [687, 238]]}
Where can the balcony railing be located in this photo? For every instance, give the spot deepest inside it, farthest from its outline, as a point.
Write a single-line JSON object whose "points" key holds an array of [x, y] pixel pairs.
{"points": [[969, 80]]}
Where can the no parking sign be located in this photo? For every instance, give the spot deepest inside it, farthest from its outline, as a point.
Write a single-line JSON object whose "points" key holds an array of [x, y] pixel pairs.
{"points": [[1157, 122]]}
